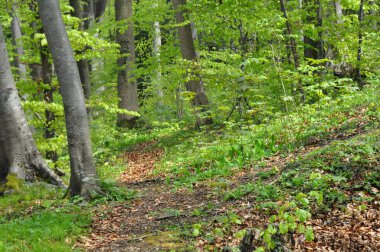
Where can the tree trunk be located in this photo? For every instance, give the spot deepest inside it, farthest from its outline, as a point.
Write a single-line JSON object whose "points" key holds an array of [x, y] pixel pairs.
{"points": [[83, 65], [84, 180], [314, 48], [360, 42], [156, 53], [99, 8], [16, 41], [18, 152], [126, 83], [338, 11], [88, 14], [195, 85], [293, 49], [48, 97]]}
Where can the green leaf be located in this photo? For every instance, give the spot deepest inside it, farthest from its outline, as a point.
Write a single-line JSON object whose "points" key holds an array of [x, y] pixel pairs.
{"points": [[284, 228], [302, 215], [309, 234], [196, 232]]}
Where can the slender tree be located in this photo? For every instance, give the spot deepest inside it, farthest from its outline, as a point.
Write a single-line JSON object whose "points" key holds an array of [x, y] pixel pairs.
{"points": [[16, 41], [126, 83], [156, 53], [18, 152], [83, 180], [360, 49], [293, 49], [83, 64], [313, 48], [195, 84]]}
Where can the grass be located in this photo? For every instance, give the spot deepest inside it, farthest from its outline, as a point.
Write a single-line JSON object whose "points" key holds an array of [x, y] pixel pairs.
{"points": [[44, 231], [37, 219]]}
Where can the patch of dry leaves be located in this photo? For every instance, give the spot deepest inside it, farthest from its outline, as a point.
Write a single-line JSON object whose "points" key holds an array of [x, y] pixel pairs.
{"points": [[141, 163]]}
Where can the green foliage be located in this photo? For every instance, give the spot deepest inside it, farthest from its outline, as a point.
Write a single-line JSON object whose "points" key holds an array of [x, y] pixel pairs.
{"points": [[37, 219], [115, 192]]}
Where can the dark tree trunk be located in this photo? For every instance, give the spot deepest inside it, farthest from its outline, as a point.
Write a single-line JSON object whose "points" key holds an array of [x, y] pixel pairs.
{"points": [[83, 65], [126, 83], [48, 97], [99, 8], [16, 41], [195, 85], [18, 153], [88, 13], [293, 49], [314, 48], [321, 49], [84, 180]]}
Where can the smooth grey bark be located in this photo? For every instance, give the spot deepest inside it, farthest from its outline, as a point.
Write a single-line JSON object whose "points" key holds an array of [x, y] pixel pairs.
{"points": [[18, 152], [83, 180], [156, 53], [338, 11], [358, 76], [17, 43], [126, 83], [195, 85]]}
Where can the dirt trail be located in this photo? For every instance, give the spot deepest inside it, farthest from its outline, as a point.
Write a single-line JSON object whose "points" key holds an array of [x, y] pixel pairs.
{"points": [[155, 220]]}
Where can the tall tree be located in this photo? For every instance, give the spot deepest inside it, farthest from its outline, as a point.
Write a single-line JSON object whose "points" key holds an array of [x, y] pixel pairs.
{"points": [[195, 84], [18, 152], [16, 41], [293, 49], [99, 8], [83, 180], [156, 53], [83, 64], [126, 83], [360, 42], [313, 48]]}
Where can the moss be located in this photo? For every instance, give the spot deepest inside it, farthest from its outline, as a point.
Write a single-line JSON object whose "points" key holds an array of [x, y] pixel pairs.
{"points": [[13, 183], [169, 240]]}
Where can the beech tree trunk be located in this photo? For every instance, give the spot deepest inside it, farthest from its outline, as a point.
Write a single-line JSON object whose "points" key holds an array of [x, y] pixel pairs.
{"points": [[338, 11], [195, 85], [83, 180], [18, 152], [83, 65], [126, 83], [360, 42], [16, 41], [88, 13], [156, 53]]}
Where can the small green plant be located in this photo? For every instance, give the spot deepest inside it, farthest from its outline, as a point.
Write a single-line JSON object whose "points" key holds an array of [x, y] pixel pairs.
{"points": [[115, 192], [290, 219]]}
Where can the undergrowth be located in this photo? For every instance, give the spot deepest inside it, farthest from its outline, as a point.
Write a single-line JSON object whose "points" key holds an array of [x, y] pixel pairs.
{"points": [[212, 154]]}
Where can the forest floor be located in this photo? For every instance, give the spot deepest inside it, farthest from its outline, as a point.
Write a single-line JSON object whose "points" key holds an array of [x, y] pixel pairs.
{"points": [[215, 214], [302, 181]]}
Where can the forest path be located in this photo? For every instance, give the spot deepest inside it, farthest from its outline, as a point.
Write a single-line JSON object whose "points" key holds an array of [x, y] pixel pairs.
{"points": [[160, 217]]}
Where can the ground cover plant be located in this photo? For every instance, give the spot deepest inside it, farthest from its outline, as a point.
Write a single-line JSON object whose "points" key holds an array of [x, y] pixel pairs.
{"points": [[193, 125]]}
